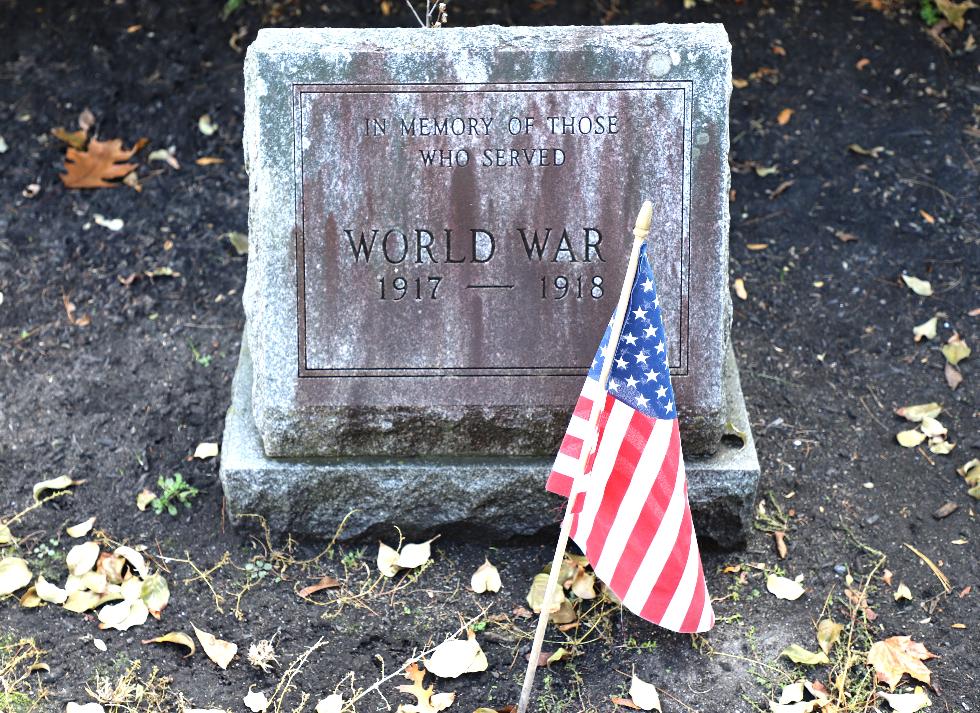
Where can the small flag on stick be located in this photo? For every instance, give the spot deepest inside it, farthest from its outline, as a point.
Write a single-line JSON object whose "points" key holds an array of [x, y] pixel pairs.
{"points": [[630, 513]]}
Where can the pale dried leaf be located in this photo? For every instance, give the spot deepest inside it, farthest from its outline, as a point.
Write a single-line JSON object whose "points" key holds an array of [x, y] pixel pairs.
{"points": [[953, 376], [62, 482], [81, 529], [932, 428], [82, 558], [791, 693], [134, 558], [784, 588], [82, 601], [387, 560], [331, 704], [907, 702], [941, 447], [919, 287], [14, 574], [256, 701], [206, 126], [221, 652], [644, 694], [916, 413], [903, 592], [485, 579], [535, 596], [6, 537], [910, 438], [206, 450], [412, 556], [50, 592], [155, 594], [174, 637], [926, 330], [454, 657], [956, 350], [144, 498], [583, 585], [29, 599], [828, 633]]}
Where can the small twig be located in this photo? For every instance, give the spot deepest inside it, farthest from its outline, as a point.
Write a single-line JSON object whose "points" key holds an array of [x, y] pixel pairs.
{"points": [[943, 579]]}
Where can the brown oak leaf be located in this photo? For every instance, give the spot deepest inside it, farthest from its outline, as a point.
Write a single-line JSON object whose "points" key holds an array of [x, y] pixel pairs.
{"points": [[898, 655], [97, 166]]}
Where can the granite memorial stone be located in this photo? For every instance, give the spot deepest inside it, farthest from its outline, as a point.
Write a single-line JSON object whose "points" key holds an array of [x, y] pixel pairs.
{"points": [[439, 227]]}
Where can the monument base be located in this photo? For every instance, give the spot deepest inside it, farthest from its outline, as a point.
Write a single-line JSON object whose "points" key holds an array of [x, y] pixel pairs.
{"points": [[486, 498]]}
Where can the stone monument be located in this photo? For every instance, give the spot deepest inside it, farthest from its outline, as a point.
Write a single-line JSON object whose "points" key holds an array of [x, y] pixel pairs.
{"points": [[439, 226]]}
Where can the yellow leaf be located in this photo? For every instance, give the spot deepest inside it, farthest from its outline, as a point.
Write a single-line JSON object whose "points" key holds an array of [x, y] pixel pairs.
{"points": [[535, 596], [14, 574], [60, 483], [910, 439], [899, 655], [797, 654], [926, 330], [956, 350], [916, 413], [828, 632], [81, 529], [740, 289], [82, 558], [174, 637], [50, 592], [221, 652], [954, 11]]}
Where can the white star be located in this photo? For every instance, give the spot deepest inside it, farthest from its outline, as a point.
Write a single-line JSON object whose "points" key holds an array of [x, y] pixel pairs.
{"points": [[648, 285], [621, 363], [641, 358], [656, 302], [631, 382], [669, 407], [613, 386], [651, 376], [640, 313], [650, 331], [629, 339], [642, 401], [660, 348], [662, 392]]}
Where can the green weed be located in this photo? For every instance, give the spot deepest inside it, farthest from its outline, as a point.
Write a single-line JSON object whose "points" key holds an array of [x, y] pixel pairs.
{"points": [[175, 490]]}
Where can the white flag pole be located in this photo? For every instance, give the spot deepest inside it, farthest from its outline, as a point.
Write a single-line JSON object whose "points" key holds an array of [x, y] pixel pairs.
{"points": [[640, 231]]}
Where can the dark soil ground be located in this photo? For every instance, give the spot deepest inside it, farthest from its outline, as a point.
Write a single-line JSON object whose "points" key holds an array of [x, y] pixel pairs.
{"points": [[824, 341]]}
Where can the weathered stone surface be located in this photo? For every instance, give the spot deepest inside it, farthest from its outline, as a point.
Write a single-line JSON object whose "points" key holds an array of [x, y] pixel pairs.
{"points": [[477, 372], [482, 498]]}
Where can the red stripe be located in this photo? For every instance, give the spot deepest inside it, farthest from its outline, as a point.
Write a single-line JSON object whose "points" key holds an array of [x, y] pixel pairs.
{"points": [[630, 449], [694, 612], [663, 591], [583, 408], [559, 484], [571, 446], [650, 517]]}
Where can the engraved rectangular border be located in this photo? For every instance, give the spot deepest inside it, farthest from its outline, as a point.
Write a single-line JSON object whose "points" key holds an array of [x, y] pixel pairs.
{"points": [[300, 89]]}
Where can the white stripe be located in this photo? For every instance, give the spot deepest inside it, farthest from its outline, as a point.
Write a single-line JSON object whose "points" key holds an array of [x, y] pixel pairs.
{"points": [[612, 437], [592, 390], [662, 545], [647, 468], [705, 622], [579, 428], [684, 594], [567, 465]]}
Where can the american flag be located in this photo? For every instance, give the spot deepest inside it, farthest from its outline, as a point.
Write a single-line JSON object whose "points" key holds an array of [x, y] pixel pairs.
{"points": [[630, 515]]}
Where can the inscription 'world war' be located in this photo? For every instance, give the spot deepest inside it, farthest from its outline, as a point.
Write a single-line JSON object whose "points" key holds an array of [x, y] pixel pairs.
{"points": [[475, 202]]}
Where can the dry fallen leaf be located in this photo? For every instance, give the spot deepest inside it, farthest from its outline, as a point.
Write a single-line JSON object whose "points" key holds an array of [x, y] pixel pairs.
{"points": [[155, 594], [926, 330], [205, 451], [333, 703], [428, 701], [206, 126], [134, 558], [174, 637], [102, 162], [644, 695], [144, 498], [62, 482], [326, 582], [454, 657], [952, 375], [123, 615], [49, 592], [828, 632], [14, 574], [256, 701], [739, 286], [907, 702], [784, 116], [919, 287], [784, 588], [535, 596], [221, 652], [797, 654], [485, 579], [903, 592], [81, 529], [910, 438], [916, 413], [899, 655], [932, 428], [956, 349], [954, 11], [415, 555], [387, 560], [82, 558]]}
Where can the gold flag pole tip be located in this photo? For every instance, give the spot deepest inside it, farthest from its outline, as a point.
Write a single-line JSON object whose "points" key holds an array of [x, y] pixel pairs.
{"points": [[643, 220]]}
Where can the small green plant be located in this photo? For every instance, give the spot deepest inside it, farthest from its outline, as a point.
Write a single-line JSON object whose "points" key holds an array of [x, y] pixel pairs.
{"points": [[202, 359], [175, 490], [352, 558], [258, 569], [929, 12]]}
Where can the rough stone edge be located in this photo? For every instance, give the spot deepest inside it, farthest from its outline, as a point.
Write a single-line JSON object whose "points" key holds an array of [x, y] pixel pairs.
{"points": [[312, 497]]}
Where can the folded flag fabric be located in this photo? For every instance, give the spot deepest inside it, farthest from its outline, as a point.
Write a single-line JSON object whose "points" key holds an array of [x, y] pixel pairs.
{"points": [[630, 514]]}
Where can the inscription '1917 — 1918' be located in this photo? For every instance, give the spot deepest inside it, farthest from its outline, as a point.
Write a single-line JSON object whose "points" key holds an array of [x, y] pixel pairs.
{"points": [[477, 246]]}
